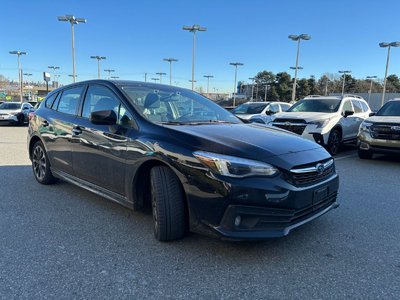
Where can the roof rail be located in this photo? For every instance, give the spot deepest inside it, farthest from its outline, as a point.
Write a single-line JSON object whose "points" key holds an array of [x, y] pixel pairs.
{"points": [[312, 96], [352, 95]]}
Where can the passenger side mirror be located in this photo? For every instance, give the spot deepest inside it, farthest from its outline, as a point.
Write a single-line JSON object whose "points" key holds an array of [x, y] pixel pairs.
{"points": [[103, 117], [269, 112], [372, 114], [348, 113]]}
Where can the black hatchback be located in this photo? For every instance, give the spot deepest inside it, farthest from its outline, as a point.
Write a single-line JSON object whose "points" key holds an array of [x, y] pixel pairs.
{"points": [[196, 165]]}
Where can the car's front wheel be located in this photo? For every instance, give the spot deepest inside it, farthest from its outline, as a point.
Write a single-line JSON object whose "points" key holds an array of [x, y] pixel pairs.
{"points": [[167, 201], [41, 165], [334, 142]]}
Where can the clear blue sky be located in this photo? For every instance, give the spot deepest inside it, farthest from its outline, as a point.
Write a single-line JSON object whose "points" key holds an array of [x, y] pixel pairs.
{"points": [[136, 35]]}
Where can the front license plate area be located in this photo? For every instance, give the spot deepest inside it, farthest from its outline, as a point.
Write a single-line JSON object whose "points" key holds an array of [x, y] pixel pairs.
{"points": [[320, 195]]}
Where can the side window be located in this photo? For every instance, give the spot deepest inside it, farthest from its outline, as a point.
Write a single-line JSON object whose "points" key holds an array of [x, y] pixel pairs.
{"points": [[364, 106], [285, 107], [274, 108], [49, 100], [347, 106], [99, 98], [357, 106], [125, 118], [69, 100]]}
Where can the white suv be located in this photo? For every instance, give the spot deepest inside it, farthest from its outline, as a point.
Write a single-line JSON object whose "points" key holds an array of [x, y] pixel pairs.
{"points": [[329, 121]]}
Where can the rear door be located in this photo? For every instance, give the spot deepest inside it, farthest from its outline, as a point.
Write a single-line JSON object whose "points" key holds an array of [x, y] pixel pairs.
{"points": [[99, 151]]}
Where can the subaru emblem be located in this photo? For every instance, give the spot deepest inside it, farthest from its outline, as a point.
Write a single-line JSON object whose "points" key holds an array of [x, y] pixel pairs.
{"points": [[395, 128], [320, 168]]}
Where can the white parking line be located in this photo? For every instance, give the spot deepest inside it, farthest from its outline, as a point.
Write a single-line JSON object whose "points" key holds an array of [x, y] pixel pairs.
{"points": [[346, 156]]}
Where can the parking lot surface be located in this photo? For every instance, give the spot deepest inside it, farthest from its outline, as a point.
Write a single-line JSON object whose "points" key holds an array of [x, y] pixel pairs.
{"points": [[62, 242]]}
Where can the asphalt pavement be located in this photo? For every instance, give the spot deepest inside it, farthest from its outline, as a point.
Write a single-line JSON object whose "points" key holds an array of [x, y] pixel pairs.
{"points": [[63, 242]]}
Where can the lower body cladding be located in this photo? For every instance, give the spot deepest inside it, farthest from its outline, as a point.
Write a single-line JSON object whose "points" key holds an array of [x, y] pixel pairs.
{"points": [[367, 143], [259, 208]]}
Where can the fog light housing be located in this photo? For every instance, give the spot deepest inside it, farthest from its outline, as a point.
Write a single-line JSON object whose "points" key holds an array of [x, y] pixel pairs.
{"points": [[238, 220], [364, 146]]}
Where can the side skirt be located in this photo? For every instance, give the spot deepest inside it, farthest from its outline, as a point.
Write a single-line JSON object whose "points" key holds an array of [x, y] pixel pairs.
{"points": [[93, 188]]}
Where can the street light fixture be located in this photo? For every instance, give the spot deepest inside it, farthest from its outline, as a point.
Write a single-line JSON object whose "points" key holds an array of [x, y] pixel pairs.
{"points": [[208, 82], [235, 64], [298, 68], [297, 38], [73, 76], [54, 72], [27, 75], [170, 60], [99, 58], [19, 53], [114, 77], [344, 72], [72, 20], [370, 87], [109, 72], [161, 75], [155, 79], [194, 29], [387, 45]]}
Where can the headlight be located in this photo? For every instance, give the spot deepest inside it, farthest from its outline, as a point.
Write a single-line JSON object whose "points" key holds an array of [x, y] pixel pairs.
{"points": [[321, 123], [234, 166], [365, 126]]}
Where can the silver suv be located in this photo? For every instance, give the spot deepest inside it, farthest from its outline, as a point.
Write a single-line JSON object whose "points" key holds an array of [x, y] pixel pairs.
{"points": [[15, 112], [329, 121]]}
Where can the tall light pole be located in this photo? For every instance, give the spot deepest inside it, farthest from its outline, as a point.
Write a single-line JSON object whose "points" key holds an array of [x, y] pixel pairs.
{"points": [[194, 29], [99, 58], [54, 72], [161, 74], [27, 75], [252, 87], [387, 45], [297, 38], [235, 64], [19, 53], [208, 82], [170, 60], [371, 79], [344, 72], [109, 72], [145, 77], [72, 20]]}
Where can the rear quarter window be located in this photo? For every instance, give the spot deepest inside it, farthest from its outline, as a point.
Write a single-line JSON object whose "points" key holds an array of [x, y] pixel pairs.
{"points": [[69, 100], [50, 100]]}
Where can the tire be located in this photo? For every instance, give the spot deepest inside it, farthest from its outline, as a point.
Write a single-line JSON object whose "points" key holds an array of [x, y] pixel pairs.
{"points": [[334, 142], [364, 154], [167, 201], [41, 165], [21, 120]]}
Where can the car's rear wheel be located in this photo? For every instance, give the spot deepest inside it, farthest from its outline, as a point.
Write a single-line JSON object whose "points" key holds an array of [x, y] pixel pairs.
{"points": [[41, 165], [334, 141], [20, 118], [167, 200], [364, 154]]}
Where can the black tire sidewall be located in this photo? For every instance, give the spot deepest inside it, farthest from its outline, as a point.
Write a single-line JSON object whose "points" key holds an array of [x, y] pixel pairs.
{"points": [[331, 136], [48, 177]]}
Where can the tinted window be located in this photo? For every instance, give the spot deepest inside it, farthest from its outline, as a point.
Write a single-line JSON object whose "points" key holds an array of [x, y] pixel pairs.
{"points": [[347, 106], [316, 105], [249, 108], [274, 108], [392, 108], [364, 106], [10, 106], [50, 99], [69, 100], [284, 106], [357, 106], [99, 98]]}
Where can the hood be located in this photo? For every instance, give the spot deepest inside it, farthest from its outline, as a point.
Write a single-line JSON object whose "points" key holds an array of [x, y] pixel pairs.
{"points": [[8, 111], [251, 141], [308, 116], [384, 119]]}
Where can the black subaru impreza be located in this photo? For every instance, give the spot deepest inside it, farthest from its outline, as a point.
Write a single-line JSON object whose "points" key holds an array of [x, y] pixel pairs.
{"points": [[197, 166]]}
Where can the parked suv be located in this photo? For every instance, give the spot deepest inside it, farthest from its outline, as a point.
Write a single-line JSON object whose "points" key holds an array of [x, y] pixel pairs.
{"points": [[381, 132], [195, 164], [14, 112], [329, 121], [259, 111]]}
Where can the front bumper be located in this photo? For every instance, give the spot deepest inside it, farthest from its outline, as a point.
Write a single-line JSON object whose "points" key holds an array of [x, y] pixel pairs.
{"points": [[367, 143], [8, 119], [310, 132]]}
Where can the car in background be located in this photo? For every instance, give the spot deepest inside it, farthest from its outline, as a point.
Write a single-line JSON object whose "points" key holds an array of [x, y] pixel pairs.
{"points": [[329, 121], [381, 133], [248, 110], [194, 164], [15, 112], [272, 108]]}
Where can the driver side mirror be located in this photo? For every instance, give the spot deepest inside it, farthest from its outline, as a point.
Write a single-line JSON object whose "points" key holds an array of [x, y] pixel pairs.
{"points": [[372, 114], [269, 112], [103, 117], [348, 113]]}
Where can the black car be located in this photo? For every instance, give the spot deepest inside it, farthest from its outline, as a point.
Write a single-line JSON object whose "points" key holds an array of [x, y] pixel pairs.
{"points": [[196, 165]]}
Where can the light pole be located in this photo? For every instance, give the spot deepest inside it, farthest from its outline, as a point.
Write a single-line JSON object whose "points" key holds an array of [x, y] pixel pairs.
{"points": [[170, 60], [344, 72], [252, 87], [194, 29], [145, 77], [109, 72], [235, 64], [295, 87], [27, 75], [155, 79], [370, 87], [161, 75], [99, 58], [208, 82], [72, 20], [73, 77], [54, 72], [19, 53], [57, 76], [387, 45], [297, 38]]}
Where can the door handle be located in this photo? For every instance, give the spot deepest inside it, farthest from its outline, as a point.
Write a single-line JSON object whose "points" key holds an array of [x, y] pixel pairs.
{"points": [[76, 130], [45, 123]]}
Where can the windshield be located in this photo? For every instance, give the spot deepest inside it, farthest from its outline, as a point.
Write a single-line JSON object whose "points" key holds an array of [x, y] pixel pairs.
{"points": [[10, 106], [316, 105], [249, 108], [168, 105], [392, 108]]}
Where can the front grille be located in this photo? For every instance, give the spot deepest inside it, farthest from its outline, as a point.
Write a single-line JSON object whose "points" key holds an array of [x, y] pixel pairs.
{"points": [[298, 129], [314, 208], [296, 121], [385, 131], [309, 174]]}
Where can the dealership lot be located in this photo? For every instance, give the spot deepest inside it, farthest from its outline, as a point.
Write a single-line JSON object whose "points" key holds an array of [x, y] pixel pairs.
{"points": [[62, 241]]}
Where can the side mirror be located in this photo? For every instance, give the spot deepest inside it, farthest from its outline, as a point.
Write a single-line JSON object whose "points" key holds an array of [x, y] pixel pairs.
{"points": [[372, 114], [348, 113], [25, 108], [269, 112], [103, 117]]}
